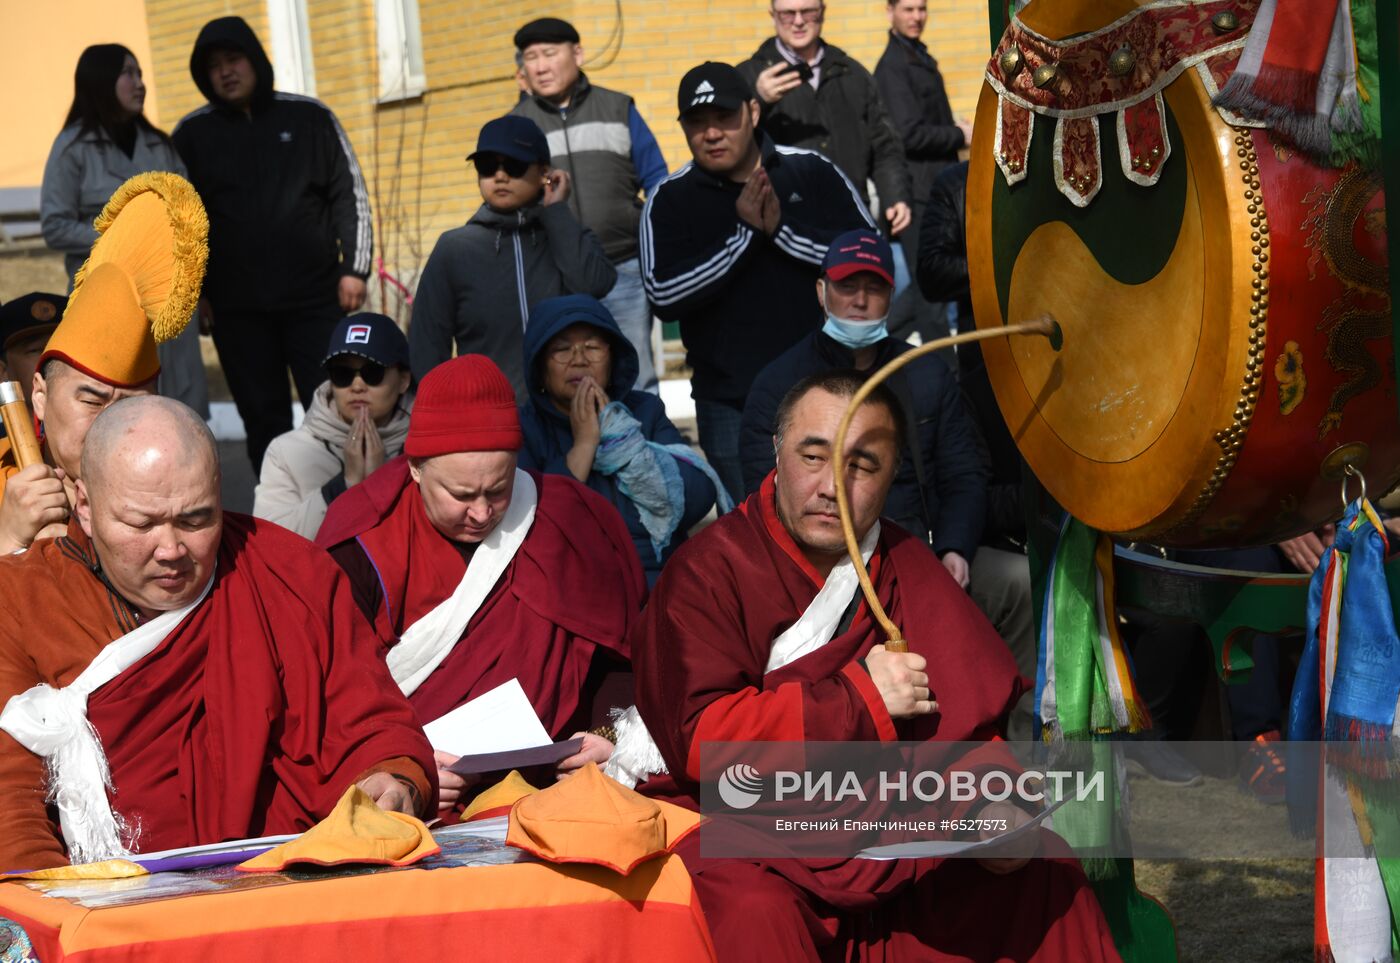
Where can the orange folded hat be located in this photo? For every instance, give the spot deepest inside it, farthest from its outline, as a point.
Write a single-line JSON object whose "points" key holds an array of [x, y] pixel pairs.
{"points": [[356, 831], [139, 285], [497, 800], [589, 818]]}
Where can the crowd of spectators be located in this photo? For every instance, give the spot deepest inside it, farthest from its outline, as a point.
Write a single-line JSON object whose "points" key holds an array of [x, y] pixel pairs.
{"points": [[816, 227]]}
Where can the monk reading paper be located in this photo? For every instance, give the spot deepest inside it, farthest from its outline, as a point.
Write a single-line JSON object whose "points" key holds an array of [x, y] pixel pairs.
{"points": [[756, 631], [233, 688], [476, 573]]}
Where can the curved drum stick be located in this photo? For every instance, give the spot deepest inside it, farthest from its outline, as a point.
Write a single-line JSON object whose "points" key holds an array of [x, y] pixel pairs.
{"points": [[1044, 325]]}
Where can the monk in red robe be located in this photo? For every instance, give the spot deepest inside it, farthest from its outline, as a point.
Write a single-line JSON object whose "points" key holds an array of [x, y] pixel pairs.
{"points": [[711, 667], [476, 573], [232, 685]]}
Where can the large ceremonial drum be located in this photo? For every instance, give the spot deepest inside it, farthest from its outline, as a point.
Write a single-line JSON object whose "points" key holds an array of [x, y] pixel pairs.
{"points": [[1223, 302]]}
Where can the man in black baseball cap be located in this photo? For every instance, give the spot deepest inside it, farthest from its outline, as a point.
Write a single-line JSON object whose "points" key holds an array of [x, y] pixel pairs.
{"points": [[25, 326], [712, 84], [731, 247]]}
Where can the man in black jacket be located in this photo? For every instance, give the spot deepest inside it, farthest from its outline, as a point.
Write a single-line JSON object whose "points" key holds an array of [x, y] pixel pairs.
{"points": [[814, 95], [289, 226], [911, 87], [731, 245], [939, 490]]}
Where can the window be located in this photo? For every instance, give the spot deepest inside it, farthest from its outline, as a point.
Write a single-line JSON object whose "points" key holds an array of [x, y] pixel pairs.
{"points": [[401, 74], [291, 46]]}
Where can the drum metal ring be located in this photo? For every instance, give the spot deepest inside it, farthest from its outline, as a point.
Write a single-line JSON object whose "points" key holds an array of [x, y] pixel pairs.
{"points": [[1351, 471]]}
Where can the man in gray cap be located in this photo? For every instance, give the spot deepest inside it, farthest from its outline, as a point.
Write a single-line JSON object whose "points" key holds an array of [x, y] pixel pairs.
{"points": [[599, 138]]}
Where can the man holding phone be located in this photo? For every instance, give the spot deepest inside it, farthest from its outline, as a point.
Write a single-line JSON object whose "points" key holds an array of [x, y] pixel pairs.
{"points": [[521, 246], [812, 94]]}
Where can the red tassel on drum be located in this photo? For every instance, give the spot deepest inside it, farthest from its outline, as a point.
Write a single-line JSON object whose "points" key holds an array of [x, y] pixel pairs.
{"points": [[1078, 167], [1015, 125], [1143, 147]]}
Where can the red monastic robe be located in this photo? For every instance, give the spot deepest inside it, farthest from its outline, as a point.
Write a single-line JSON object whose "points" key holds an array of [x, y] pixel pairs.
{"points": [[253, 716], [573, 588], [700, 651]]}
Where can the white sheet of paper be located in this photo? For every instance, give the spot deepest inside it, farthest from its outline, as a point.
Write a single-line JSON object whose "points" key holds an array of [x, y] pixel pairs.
{"points": [[501, 720]]}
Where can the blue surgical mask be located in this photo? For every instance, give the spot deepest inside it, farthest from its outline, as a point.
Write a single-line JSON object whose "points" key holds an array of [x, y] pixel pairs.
{"points": [[854, 334]]}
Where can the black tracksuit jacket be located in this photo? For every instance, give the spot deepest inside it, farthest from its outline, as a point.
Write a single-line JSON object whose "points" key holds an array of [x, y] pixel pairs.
{"points": [[288, 208], [743, 298]]}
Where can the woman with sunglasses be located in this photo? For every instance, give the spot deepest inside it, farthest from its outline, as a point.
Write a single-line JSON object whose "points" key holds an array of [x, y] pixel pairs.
{"points": [[520, 247], [358, 420], [585, 419]]}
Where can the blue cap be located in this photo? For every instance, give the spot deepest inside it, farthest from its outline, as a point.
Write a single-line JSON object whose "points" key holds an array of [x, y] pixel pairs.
{"points": [[857, 251], [371, 336], [513, 136]]}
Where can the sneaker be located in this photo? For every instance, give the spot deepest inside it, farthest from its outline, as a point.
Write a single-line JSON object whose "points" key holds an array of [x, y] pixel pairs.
{"points": [[1262, 771], [1157, 760]]}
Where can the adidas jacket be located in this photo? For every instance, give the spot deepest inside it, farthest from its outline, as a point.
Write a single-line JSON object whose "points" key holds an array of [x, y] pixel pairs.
{"points": [[743, 298], [288, 208]]}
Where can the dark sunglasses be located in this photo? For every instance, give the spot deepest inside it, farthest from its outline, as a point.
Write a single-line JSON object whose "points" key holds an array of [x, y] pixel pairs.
{"points": [[343, 376], [488, 164]]}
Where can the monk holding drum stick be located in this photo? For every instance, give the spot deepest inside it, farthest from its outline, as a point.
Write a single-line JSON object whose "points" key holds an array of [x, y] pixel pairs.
{"points": [[125, 299]]}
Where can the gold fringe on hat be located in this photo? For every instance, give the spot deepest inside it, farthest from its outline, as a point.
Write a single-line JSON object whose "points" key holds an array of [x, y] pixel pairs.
{"points": [[140, 284], [168, 308]]}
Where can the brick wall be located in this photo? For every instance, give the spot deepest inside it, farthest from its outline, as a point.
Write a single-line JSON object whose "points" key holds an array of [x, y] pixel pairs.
{"points": [[413, 152]]}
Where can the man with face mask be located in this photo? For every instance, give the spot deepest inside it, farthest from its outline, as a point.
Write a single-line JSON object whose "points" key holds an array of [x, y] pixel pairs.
{"points": [[940, 488]]}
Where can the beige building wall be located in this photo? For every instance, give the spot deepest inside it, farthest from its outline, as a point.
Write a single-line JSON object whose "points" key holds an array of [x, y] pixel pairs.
{"points": [[40, 41], [413, 152]]}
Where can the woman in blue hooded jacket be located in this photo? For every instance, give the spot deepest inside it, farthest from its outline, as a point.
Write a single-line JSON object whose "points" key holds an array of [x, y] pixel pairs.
{"points": [[585, 420]]}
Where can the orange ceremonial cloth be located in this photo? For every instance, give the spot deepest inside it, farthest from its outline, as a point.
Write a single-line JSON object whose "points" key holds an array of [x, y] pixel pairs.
{"points": [[251, 718], [525, 911]]}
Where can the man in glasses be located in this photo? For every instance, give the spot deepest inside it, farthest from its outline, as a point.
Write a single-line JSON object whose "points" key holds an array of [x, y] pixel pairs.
{"points": [[814, 95], [731, 247], [521, 246], [611, 155], [357, 421]]}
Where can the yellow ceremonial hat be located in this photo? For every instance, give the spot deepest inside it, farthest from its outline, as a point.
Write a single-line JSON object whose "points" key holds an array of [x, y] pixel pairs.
{"points": [[589, 818], [356, 831], [140, 283]]}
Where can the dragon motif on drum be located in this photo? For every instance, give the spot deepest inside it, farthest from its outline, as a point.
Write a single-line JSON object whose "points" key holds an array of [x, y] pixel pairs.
{"points": [[1363, 312]]}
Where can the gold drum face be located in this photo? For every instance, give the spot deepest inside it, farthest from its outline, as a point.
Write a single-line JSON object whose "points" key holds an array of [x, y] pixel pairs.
{"points": [[1226, 329]]}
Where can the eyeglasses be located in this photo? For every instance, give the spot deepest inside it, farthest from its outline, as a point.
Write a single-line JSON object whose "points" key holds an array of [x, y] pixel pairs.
{"points": [[343, 375], [809, 14], [593, 351], [488, 164]]}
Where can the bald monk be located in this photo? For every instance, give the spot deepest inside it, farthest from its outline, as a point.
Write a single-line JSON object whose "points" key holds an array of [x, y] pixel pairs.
{"points": [[142, 276], [233, 687], [716, 661], [476, 573]]}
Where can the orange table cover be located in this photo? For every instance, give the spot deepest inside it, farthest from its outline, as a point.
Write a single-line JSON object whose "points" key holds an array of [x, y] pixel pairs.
{"points": [[524, 911]]}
